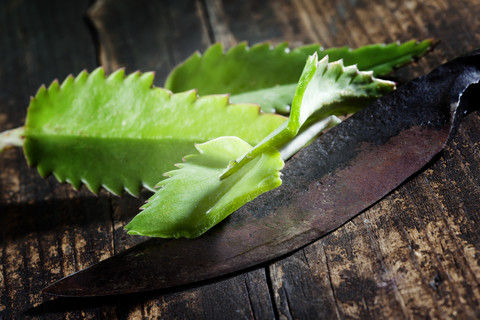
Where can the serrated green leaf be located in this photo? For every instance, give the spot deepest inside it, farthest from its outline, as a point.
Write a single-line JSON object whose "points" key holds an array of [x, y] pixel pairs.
{"points": [[324, 89], [121, 133], [193, 199], [251, 74]]}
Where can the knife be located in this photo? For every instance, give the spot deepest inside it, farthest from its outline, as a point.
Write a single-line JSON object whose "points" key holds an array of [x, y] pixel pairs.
{"points": [[329, 182]]}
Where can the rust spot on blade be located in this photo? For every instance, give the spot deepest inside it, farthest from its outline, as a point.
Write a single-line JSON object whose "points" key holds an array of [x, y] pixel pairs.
{"points": [[373, 173]]}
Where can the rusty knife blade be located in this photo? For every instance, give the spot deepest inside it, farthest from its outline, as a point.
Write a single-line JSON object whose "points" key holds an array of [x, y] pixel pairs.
{"points": [[338, 176]]}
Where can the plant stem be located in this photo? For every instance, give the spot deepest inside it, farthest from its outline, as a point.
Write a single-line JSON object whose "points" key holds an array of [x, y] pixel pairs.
{"points": [[11, 138]]}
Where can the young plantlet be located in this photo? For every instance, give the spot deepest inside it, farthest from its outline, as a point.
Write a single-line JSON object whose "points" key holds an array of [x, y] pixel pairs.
{"points": [[324, 89]]}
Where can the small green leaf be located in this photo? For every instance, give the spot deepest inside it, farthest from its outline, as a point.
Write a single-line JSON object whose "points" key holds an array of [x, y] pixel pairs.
{"points": [[332, 89], [193, 199], [121, 133], [251, 74], [324, 89]]}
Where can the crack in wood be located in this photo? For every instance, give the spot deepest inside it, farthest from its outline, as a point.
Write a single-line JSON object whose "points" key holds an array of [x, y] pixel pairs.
{"points": [[92, 30], [204, 15], [327, 264], [374, 243], [459, 249], [271, 291], [114, 232], [249, 296], [218, 23]]}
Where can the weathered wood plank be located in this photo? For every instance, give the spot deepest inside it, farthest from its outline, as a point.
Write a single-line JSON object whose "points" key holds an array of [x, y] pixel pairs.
{"points": [[48, 231], [414, 254], [235, 298], [148, 36]]}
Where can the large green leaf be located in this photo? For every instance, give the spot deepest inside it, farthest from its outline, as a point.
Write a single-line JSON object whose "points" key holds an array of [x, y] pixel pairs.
{"points": [[324, 89], [268, 75], [121, 133], [193, 199]]}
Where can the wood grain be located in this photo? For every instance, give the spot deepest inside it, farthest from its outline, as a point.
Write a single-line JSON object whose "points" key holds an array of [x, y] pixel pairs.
{"points": [[152, 35], [45, 226], [415, 254]]}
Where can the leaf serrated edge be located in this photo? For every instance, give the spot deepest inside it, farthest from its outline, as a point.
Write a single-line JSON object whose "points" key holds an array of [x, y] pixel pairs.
{"points": [[83, 77], [217, 50]]}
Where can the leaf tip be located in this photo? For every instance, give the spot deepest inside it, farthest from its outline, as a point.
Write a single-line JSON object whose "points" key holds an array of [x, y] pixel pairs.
{"points": [[54, 86], [114, 189], [98, 73], [82, 76], [147, 78], [68, 82], [117, 76], [133, 190], [41, 91]]}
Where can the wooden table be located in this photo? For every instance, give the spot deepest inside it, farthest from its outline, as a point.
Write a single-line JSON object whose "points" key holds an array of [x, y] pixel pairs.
{"points": [[415, 254]]}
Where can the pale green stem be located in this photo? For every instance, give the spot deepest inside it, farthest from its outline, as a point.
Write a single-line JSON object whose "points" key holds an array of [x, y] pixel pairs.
{"points": [[282, 139], [11, 138], [278, 137], [306, 136]]}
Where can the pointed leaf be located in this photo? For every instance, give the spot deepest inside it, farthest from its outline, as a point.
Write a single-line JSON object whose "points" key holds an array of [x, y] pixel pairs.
{"points": [[121, 133], [332, 89], [193, 199], [263, 68]]}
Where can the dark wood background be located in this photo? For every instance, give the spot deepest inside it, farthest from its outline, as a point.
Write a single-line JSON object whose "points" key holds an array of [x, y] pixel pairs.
{"points": [[415, 254]]}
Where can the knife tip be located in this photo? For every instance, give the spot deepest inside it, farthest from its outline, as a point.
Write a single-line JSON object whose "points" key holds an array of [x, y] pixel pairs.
{"points": [[56, 289], [78, 284]]}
